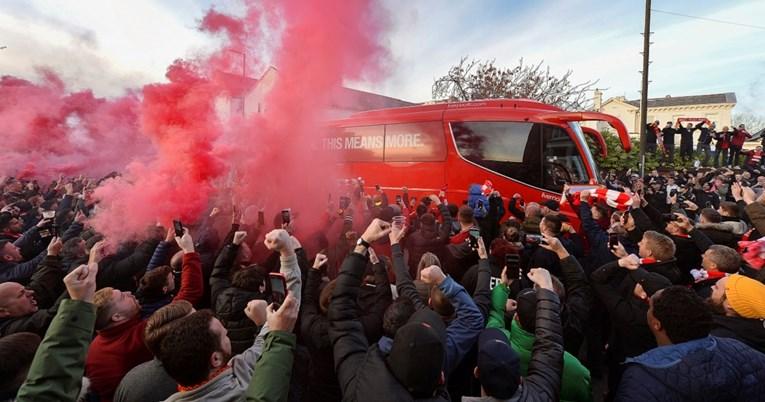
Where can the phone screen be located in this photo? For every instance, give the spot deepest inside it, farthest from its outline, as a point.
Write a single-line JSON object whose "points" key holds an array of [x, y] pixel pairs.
{"points": [[178, 226], [278, 288], [48, 214], [513, 264], [474, 234], [613, 240]]}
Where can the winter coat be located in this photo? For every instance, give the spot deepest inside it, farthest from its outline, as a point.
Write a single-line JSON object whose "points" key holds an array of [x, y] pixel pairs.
{"points": [[668, 135], [361, 370], [600, 253], [575, 379], [231, 384], [146, 382], [719, 233], [57, 368], [428, 239], [314, 329], [739, 137], [20, 271], [631, 335], [706, 369], [274, 368], [462, 332], [120, 273], [750, 331], [116, 350], [737, 226], [544, 368], [48, 285], [756, 213], [229, 302]]}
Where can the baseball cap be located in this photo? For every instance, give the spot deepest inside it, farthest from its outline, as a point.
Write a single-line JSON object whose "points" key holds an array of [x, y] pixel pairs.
{"points": [[498, 364], [417, 356]]}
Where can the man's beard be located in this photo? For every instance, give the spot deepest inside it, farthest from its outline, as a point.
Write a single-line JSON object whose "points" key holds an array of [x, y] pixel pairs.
{"points": [[716, 308]]}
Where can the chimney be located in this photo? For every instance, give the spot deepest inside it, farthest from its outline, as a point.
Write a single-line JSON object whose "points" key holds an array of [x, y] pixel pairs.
{"points": [[597, 100]]}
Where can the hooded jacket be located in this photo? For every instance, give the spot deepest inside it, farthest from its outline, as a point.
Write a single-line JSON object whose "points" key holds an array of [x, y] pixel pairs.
{"points": [[314, 328], [706, 369], [362, 370], [575, 378], [750, 331], [719, 233]]}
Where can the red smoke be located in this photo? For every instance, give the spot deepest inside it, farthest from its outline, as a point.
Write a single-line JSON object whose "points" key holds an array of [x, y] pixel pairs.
{"points": [[48, 131], [177, 156]]}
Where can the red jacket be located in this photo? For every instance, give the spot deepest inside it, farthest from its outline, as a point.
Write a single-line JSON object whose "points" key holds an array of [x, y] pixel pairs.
{"points": [[192, 283], [113, 353], [116, 350], [739, 136]]}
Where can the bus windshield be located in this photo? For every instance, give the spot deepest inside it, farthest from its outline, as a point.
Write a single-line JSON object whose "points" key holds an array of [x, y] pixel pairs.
{"points": [[540, 155]]}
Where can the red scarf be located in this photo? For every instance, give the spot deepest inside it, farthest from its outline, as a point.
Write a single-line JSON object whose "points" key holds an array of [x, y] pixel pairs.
{"points": [[217, 372]]}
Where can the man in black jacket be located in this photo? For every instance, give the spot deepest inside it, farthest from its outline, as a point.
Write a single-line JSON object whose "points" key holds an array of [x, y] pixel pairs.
{"points": [[497, 368], [627, 307], [668, 135], [31, 308], [686, 140], [413, 368]]}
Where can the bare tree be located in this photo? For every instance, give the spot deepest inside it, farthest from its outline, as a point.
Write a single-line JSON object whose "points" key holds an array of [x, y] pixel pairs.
{"points": [[483, 80], [753, 122]]}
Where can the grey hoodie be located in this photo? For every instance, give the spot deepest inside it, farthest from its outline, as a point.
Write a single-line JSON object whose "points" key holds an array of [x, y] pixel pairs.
{"points": [[232, 383]]}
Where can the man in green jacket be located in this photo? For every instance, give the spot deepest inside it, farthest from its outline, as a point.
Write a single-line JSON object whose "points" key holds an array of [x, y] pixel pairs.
{"points": [[57, 369], [575, 385]]}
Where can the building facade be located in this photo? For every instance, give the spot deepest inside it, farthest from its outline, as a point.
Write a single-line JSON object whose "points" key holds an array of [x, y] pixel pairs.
{"points": [[715, 107]]}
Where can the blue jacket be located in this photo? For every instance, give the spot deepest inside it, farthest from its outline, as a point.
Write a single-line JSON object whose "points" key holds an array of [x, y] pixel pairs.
{"points": [[475, 196], [463, 331], [707, 369]]}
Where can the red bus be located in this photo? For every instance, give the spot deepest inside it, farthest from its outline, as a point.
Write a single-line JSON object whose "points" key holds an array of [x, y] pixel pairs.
{"points": [[522, 146]]}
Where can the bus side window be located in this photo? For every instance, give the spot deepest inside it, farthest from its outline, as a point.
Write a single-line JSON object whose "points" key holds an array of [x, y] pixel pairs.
{"points": [[512, 149]]}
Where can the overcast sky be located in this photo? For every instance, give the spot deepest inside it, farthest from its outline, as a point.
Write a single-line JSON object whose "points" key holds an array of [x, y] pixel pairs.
{"points": [[111, 45]]}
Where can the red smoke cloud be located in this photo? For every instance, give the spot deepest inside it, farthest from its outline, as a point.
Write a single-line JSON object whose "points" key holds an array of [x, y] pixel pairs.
{"points": [[176, 155], [48, 131]]}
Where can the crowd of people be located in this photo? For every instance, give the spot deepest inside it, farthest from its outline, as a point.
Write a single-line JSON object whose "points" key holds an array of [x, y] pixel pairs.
{"points": [[728, 143], [650, 289]]}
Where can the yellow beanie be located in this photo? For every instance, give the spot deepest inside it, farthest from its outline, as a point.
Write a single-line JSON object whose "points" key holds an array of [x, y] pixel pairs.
{"points": [[746, 296]]}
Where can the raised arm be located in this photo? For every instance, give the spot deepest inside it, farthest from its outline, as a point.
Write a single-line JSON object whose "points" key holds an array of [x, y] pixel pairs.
{"points": [[59, 363], [192, 283], [464, 329]]}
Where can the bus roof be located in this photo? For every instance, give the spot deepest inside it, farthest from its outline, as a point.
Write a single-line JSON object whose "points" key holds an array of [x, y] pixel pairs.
{"points": [[435, 110]]}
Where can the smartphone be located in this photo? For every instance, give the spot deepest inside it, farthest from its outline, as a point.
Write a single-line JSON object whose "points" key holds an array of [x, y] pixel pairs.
{"points": [[474, 234], [278, 288], [534, 239], [286, 215], [48, 214], [261, 218], [513, 265], [613, 240], [178, 226]]}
